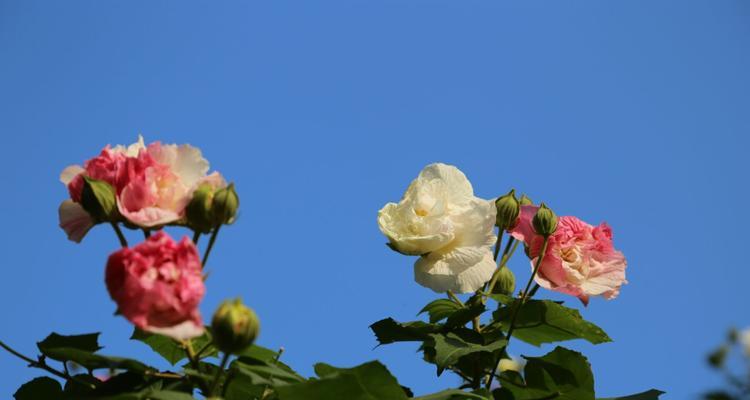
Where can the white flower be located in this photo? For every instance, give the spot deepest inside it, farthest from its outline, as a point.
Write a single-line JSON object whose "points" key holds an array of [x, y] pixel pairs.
{"points": [[441, 220], [745, 341]]}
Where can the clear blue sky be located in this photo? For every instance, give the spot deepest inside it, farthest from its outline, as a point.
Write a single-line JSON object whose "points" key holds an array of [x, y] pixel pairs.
{"points": [[633, 112]]}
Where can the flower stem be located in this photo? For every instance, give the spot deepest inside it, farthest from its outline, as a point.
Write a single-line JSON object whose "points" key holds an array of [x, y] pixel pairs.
{"points": [[497, 243], [120, 236], [454, 298], [146, 233], [41, 364], [219, 372], [525, 295], [210, 245], [196, 237], [507, 254]]}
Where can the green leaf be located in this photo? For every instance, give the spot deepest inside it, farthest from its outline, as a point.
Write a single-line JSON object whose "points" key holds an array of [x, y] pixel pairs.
{"points": [[167, 395], [389, 331], [99, 200], [544, 321], [170, 349], [39, 388], [369, 381], [453, 394], [561, 374], [259, 353], [88, 343], [241, 387], [450, 347], [440, 309], [267, 374], [652, 394]]}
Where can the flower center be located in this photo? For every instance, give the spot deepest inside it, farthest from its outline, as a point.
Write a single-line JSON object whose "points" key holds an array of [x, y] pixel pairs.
{"points": [[421, 212]]}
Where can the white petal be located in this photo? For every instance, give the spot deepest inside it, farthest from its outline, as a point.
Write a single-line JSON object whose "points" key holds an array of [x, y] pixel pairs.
{"points": [[74, 220], [475, 223], [184, 160], [462, 270], [458, 187], [413, 235], [69, 173], [183, 331]]}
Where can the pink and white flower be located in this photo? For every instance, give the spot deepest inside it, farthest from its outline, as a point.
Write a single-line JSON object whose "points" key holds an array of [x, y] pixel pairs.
{"points": [[158, 285], [153, 183], [580, 260]]}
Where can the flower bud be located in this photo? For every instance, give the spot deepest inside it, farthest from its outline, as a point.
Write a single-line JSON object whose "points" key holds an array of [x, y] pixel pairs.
{"points": [[234, 326], [225, 205], [199, 210], [508, 209], [99, 200], [525, 200], [545, 221], [506, 282]]}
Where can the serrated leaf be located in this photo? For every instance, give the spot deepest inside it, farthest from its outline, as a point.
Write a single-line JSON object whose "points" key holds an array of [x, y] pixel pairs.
{"points": [[545, 321], [389, 331], [39, 388], [87, 342], [652, 394], [440, 309], [170, 349], [369, 381], [450, 347], [561, 374]]}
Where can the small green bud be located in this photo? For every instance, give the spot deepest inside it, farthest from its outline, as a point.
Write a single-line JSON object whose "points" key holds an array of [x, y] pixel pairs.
{"points": [[545, 221], [199, 210], [99, 200], [234, 326], [225, 205], [506, 282], [525, 200], [508, 209]]}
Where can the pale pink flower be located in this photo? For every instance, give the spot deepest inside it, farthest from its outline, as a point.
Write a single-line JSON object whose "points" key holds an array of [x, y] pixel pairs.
{"points": [[158, 285], [580, 259]]}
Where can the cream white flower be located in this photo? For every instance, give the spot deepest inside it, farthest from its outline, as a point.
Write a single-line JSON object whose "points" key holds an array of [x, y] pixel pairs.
{"points": [[441, 220], [745, 341]]}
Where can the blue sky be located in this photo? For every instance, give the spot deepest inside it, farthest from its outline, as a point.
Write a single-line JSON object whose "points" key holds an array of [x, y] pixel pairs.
{"points": [[633, 112]]}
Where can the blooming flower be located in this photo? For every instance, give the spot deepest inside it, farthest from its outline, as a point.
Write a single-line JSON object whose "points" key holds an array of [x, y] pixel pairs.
{"points": [[580, 260], [441, 220], [158, 285], [153, 183]]}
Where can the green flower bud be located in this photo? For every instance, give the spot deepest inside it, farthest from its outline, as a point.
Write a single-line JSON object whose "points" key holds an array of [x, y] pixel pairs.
{"points": [[234, 326], [99, 200], [225, 205], [525, 200], [508, 209], [545, 221], [506, 282], [199, 210]]}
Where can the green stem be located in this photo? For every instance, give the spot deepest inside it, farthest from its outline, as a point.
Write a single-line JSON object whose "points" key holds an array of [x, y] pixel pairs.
{"points": [[455, 299], [525, 295], [219, 372], [497, 243], [210, 245], [43, 365], [196, 237], [146, 233], [507, 254], [120, 236]]}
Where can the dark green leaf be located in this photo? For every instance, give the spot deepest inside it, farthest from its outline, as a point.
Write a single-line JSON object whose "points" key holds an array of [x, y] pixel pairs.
{"points": [[544, 321], [561, 374], [450, 347], [440, 309], [267, 374], [453, 394], [171, 350], [39, 388], [389, 331], [464, 315], [652, 394], [87, 343], [369, 381], [241, 387]]}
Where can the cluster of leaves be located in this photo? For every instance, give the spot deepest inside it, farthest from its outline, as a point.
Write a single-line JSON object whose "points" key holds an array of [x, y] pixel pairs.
{"points": [[473, 353], [732, 360]]}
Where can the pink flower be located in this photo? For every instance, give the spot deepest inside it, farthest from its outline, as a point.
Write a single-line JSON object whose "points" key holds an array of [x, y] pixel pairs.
{"points": [[153, 183], [158, 286], [580, 260]]}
